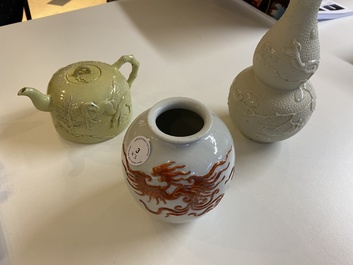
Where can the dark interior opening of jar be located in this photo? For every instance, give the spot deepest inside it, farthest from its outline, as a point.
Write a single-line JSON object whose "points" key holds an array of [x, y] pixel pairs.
{"points": [[179, 122]]}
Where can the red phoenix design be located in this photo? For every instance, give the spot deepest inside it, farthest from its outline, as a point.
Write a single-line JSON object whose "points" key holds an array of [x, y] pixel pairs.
{"points": [[200, 194]]}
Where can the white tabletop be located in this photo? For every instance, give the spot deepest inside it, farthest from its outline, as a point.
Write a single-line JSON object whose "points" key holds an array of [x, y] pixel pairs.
{"points": [[63, 203]]}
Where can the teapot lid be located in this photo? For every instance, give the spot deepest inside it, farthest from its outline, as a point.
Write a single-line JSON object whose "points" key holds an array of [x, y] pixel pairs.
{"points": [[83, 72]]}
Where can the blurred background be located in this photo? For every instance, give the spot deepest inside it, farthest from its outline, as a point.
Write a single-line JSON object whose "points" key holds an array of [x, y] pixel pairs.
{"points": [[13, 11]]}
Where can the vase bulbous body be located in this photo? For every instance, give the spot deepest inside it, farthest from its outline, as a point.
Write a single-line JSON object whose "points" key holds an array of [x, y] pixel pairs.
{"points": [[273, 99], [178, 159]]}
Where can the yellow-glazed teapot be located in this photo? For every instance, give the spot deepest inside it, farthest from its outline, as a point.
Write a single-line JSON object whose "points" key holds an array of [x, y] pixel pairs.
{"points": [[89, 101]]}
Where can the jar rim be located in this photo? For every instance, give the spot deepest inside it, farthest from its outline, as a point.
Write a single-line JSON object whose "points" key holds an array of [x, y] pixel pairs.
{"points": [[180, 103]]}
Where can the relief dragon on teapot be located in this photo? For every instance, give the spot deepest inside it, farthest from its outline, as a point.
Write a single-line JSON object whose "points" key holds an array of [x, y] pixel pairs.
{"points": [[89, 101]]}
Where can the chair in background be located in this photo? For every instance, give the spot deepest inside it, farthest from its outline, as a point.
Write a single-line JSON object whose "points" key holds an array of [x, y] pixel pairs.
{"points": [[27, 10], [11, 11]]}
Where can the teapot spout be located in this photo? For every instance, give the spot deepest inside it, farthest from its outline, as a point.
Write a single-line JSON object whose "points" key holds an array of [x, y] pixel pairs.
{"points": [[40, 101]]}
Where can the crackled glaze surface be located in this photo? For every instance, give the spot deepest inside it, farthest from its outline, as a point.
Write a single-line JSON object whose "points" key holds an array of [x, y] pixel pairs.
{"points": [[273, 99]]}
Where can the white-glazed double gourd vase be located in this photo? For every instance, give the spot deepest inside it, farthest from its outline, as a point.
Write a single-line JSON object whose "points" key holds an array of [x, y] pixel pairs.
{"points": [[178, 159], [273, 99]]}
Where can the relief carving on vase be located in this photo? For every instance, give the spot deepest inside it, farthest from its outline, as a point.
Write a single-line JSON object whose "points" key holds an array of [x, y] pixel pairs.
{"points": [[276, 123], [287, 63], [278, 82]]}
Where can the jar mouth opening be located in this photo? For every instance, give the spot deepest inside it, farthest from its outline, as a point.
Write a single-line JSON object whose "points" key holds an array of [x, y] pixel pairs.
{"points": [[180, 120]]}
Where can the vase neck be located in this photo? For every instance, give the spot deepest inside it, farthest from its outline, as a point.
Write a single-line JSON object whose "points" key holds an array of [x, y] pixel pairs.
{"points": [[180, 120], [302, 10], [289, 53]]}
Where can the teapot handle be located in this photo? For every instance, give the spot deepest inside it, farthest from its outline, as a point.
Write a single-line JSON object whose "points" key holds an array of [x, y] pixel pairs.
{"points": [[134, 63]]}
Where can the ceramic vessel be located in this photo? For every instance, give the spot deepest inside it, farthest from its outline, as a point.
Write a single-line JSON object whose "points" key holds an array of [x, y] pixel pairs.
{"points": [[273, 99], [178, 159], [89, 101]]}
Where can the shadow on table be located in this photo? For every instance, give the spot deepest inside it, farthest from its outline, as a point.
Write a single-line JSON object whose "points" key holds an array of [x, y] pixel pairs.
{"points": [[32, 131], [4, 256], [4, 195], [105, 224], [27, 127], [249, 153], [196, 26]]}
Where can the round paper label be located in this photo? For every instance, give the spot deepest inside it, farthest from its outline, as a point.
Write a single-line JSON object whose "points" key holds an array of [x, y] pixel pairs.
{"points": [[138, 150]]}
